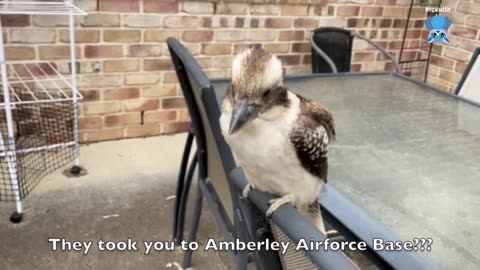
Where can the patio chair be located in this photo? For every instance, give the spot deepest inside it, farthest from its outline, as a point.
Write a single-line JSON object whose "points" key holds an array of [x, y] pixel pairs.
{"points": [[220, 182], [332, 50], [212, 183], [469, 85]]}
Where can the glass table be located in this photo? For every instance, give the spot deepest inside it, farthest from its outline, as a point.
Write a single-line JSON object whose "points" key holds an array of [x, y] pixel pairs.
{"points": [[408, 156]]}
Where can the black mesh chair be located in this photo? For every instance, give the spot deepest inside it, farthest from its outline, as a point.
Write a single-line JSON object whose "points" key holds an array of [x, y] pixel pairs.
{"points": [[332, 50], [220, 183]]}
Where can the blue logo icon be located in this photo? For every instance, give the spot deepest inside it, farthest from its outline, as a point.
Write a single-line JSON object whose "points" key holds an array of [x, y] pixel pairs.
{"points": [[438, 27]]}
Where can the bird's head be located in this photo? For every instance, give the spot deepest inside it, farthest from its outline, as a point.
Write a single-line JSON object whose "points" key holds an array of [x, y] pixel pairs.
{"points": [[256, 87]]}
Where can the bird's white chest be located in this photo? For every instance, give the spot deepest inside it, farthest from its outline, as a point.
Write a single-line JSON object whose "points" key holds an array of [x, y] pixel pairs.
{"points": [[264, 151]]}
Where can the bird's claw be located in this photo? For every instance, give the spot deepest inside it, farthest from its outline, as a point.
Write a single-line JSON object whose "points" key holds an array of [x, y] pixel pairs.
{"points": [[246, 190], [274, 204]]}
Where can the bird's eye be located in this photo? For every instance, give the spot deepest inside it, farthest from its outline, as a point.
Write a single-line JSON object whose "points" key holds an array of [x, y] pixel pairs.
{"points": [[434, 34], [441, 34], [267, 93]]}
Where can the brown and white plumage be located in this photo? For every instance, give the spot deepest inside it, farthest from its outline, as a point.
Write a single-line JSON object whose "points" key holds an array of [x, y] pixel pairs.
{"points": [[279, 138]]}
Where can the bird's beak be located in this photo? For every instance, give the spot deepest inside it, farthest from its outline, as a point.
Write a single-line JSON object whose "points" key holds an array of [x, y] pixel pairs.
{"points": [[243, 112]]}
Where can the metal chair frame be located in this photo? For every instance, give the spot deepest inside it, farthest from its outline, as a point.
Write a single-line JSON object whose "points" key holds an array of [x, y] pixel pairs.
{"points": [[330, 62]]}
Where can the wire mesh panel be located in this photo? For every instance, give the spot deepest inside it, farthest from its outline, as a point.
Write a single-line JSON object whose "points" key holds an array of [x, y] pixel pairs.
{"points": [[416, 69], [43, 136]]}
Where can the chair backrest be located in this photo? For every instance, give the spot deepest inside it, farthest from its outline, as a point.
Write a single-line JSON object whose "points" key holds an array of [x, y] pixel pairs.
{"points": [[204, 112], [469, 85], [337, 44]]}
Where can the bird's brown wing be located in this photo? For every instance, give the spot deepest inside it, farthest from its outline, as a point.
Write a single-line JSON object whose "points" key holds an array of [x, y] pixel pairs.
{"points": [[310, 136]]}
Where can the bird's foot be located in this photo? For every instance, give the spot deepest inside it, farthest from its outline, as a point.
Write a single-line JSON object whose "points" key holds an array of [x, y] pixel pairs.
{"points": [[246, 190], [276, 203]]}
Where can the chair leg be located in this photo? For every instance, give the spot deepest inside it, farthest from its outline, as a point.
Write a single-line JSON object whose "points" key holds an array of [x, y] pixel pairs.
{"points": [[181, 179], [184, 199], [187, 259]]}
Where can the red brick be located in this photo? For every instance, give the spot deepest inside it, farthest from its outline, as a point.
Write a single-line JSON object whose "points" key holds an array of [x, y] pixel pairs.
{"points": [[291, 35], [81, 36], [144, 50], [121, 65], [170, 128], [262, 35], [170, 77], [19, 53], [216, 49], [348, 11], [90, 95], [441, 62], [157, 64], [230, 35], [103, 51], [363, 56], [469, 7], [395, 12], [160, 35], [57, 52], [290, 60], [197, 7], [121, 93], [93, 122], [101, 107], [357, 22], [305, 23], [399, 23], [295, 10], [173, 103], [240, 47], [122, 35], [260, 9], [232, 8], [301, 47], [374, 11], [118, 120], [239, 22], [101, 20], [278, 23], [277, 47], [465, 32], [449, 76], [307, 59], [159, 91], [15, 20], [197, 36], [160, 116], [119, 6], [182, 22], [141, 105], [460, 67], [163, 6]]}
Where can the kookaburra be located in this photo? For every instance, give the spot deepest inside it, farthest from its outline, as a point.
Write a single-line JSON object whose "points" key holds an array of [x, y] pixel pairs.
{"points": [[279, 138]]}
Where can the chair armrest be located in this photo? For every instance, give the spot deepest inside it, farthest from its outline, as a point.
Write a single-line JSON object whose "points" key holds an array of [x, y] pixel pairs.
{"points": [[397, 67], [323, 54], [294, 225]]}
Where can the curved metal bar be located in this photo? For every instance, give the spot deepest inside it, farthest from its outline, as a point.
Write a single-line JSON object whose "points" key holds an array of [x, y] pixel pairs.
{"points": [[397, 67], [323, 54]]}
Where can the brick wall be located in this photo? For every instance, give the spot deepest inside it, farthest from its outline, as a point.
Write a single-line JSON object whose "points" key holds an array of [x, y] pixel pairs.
{"points": [[125, 73], [448, 61]]}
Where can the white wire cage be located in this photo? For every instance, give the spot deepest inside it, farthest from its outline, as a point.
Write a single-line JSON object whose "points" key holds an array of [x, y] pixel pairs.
{"points": [[38, 111]]}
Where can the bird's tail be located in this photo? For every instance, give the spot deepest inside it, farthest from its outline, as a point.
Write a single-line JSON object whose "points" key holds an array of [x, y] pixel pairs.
{"points": [[314, 213]]}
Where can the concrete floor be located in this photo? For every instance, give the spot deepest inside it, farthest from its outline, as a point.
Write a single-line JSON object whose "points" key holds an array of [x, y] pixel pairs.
{"points": [[124, 195]]}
